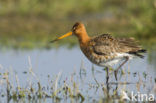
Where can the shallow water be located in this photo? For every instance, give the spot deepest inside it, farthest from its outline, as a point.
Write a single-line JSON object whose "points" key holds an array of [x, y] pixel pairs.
{"points": [[68, 62]]}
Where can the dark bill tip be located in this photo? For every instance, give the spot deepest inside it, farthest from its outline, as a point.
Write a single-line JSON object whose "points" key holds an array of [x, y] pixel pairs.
{"points": [[53, 41]]}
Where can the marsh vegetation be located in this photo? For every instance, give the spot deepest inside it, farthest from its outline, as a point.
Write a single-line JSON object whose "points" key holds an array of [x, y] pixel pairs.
{"points": [[24, 77], [75, 87], [32, 70]]}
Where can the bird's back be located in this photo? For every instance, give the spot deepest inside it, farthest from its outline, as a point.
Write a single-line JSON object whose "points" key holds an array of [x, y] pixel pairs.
{"points": [[106, 44], [105, 48]]}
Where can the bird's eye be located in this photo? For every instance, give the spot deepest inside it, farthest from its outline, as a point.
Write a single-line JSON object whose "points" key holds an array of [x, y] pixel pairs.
{"points": [[74, 28]]}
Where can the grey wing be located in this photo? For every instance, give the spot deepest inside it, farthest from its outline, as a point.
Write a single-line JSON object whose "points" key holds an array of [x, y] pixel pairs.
{"points": [[104, 44], [128, 45]]}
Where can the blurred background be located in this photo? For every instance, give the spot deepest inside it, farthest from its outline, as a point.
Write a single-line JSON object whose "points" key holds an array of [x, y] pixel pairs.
{"points": [[27, 27], [29, 24]]}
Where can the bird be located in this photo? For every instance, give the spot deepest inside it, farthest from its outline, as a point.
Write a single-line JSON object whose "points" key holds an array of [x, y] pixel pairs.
{"points": [[105, 50]]}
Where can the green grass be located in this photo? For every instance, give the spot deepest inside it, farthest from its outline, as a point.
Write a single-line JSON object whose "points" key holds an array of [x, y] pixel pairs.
{"points": [[52, 8], [32, 24]]}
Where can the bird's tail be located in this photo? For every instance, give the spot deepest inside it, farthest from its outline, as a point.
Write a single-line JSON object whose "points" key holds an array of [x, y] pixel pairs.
{"points": [[138, 53]]}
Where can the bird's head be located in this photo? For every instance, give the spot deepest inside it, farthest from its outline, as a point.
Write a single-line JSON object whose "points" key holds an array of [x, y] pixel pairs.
{"points": [[78, 30]]}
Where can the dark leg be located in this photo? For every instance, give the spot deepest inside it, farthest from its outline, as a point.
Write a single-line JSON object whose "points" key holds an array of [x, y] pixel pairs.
{"points": [[108, 88], [116, 71], [107, 75]]}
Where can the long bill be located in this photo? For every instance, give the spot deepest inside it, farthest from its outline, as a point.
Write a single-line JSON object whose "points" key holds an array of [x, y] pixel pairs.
{"points": [[61, 37]]}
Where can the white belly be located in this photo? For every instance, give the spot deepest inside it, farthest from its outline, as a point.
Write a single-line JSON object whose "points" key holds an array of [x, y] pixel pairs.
{"points": [[110, 63], [117, 59]]}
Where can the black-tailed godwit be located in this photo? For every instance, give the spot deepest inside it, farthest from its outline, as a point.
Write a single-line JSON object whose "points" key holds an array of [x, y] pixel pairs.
{"points": [[105, 50]]}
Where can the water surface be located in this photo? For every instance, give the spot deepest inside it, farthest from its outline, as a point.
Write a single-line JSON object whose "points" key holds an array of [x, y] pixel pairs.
{"points": [[68, 62]]}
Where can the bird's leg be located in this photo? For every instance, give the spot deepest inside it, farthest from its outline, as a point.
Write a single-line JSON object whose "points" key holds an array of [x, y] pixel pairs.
{"points": [[107, 75], [116, 71]]}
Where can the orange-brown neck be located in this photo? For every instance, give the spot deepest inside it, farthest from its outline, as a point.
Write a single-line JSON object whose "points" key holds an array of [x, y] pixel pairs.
{"points": [[83, 37], [80, 31]]}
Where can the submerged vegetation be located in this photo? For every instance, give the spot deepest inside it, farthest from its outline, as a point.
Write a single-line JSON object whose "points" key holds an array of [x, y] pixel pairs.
{"points": [[30, 24], [71, 88]]}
